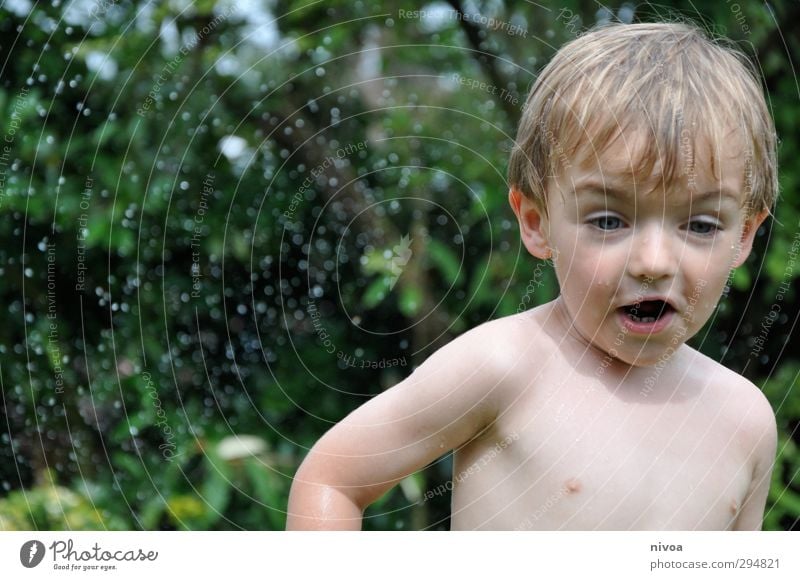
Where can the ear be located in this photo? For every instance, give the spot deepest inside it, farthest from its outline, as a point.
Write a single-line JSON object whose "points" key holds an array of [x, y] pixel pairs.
{"points": [[749, 230], [532, 224]]}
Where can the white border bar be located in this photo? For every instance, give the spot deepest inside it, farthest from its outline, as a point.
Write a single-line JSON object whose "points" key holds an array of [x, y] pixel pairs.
{"points": [[405, 555]]}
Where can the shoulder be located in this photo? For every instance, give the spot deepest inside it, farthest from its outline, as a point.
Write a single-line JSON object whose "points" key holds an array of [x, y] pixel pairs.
{"points": [[490, 355], [744, 404], [742, 393], [502, 344]]}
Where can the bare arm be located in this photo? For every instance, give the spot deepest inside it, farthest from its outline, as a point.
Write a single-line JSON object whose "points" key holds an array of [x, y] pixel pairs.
{"points": [[443, 404], [751, 515]]}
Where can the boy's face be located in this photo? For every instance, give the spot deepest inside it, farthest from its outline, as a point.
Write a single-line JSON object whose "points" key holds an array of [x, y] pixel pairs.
{"points": [[641, 266]]}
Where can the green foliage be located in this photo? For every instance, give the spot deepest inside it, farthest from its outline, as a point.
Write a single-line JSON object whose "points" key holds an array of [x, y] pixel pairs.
{"points": [[158, 283], [48, 506], [783, 508]]}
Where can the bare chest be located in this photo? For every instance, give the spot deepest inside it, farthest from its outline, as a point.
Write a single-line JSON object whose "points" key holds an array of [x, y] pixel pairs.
{"points": [[599, 461]]}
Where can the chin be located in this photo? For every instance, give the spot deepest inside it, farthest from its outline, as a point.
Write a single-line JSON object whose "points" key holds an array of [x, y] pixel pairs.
{"points": [[647, 357], [643, 363]]}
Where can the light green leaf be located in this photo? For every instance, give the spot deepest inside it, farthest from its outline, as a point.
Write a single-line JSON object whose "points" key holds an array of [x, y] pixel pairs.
{"points": [[376, 293], [742, 279], [410, 300], [216, 489], [446, 261]]}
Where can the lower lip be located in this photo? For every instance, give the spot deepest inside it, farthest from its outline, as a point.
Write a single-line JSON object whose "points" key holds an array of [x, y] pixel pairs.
{"points": [[646, 327]]}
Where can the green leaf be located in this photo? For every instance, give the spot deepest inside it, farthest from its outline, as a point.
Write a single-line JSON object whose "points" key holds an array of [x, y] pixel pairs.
{"points": [[152, 511], [258, 476], [216, 490], [410, 300], [374, 262], [269, 489], [789, 500], [446, 261], [480, 285], [741, 279], [376, 293]]}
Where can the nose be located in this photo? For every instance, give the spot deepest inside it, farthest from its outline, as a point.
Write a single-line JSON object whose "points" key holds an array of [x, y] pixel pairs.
{"points": [[654, 254]]}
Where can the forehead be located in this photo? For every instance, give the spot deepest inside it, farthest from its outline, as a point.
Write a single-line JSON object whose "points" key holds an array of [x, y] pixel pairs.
{"points": [[632, 161]]}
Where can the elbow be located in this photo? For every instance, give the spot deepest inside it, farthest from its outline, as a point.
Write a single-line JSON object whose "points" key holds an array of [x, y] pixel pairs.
{"points": [[317, 503]]}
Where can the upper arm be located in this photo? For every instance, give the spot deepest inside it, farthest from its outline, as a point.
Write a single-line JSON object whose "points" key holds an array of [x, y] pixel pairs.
{"points": [[443, 404], [762, 432]]}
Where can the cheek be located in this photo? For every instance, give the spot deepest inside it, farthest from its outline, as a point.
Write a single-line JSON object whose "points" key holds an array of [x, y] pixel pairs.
{"points": [[588, 269], [588, 272], [707, 278], [715, 283], [720, 260], [595, 263]]}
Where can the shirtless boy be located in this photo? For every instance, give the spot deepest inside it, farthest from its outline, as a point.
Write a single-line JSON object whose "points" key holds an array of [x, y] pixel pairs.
{"points": [[643, 166]]}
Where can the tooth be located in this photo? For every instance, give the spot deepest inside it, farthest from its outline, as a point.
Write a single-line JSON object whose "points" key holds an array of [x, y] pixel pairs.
{"points": [[648, 319]]}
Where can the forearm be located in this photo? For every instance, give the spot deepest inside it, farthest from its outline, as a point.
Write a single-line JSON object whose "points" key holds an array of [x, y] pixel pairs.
{"points": [[314, 506]]}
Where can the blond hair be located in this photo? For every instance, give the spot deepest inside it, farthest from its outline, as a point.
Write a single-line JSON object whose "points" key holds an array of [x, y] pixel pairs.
{"points": [[668, 79]]}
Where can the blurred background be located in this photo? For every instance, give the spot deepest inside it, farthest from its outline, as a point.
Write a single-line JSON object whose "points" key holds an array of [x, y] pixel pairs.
{"points": [[225, 225]]}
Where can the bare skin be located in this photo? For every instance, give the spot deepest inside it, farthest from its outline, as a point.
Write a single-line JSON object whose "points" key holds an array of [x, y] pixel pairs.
{"points": [[576, 416], [602, 452], [577, 450]]}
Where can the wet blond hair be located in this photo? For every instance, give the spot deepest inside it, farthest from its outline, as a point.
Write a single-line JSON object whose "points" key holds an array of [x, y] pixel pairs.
{"points": [[667, 79]]}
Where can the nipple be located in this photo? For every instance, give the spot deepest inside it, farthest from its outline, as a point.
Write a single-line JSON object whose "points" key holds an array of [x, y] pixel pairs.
{"points": [[734, 507], [573, 486]]}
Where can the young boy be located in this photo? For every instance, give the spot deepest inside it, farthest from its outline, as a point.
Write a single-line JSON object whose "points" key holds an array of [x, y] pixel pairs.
{"points": [[643, 166]]}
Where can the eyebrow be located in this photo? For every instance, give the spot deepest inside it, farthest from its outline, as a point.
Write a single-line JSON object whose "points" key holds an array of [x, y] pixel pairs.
{"points": [[606, 190]]}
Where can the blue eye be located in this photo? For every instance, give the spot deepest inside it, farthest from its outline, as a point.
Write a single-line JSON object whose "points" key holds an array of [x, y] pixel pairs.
{"points": [[606, 223], [702, 228]]}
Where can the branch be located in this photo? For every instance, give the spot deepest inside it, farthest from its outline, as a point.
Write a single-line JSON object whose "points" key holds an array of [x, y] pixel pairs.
{"points": [[486, 59]]}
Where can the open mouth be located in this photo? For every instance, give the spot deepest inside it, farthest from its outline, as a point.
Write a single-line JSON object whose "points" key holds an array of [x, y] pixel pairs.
{"points": [[648, 311]]}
